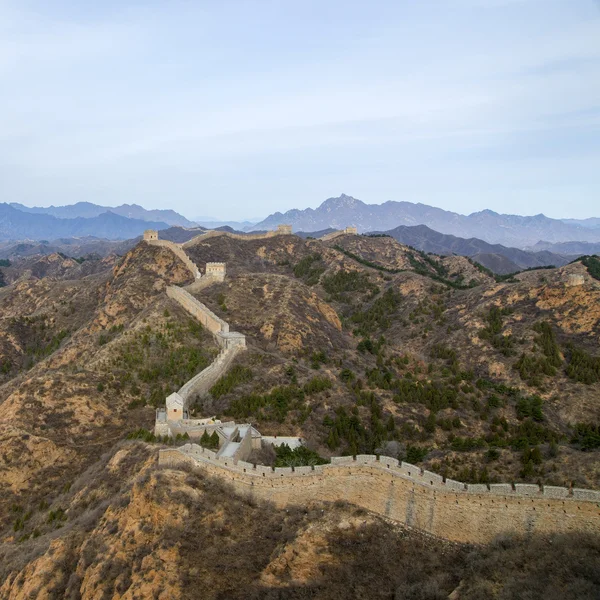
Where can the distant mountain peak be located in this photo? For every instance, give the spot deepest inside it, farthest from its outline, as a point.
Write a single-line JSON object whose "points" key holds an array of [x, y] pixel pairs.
{"points": [[342, 201], [494, 228]]}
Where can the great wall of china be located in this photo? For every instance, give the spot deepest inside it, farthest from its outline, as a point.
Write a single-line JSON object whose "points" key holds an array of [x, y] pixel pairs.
{"points": [[402, 492]]}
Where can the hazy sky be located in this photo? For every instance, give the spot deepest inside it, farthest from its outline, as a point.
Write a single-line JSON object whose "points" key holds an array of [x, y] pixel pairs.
{"points": [[238, 108]]}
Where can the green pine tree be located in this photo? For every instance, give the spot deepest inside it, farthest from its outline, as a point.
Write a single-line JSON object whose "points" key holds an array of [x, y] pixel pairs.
{"points": [[205, 439]]}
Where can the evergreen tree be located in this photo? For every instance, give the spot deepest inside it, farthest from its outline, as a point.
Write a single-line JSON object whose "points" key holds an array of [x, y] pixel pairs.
{"points": [[205, 439]]}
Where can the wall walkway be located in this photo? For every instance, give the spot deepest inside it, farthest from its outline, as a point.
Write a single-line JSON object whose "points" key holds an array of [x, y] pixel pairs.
{"points": [[236, 236], [176, 249], [231, 342], [198, 310], [399, 491], [407, 495]]}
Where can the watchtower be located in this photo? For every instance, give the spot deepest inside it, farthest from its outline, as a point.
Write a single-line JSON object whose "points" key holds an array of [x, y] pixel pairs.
{"points": [[176, 408], [352, 230], [216, 270], [284, 229], [150, 235]]}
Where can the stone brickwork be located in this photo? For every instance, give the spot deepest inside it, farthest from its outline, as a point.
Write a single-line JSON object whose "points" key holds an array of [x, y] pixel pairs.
{"points": [[150, 235], [231, 342], [351, 230], [422, 500], [287, 230], [198, 310], [216, 270], [176, 249], [402, 492], [201, 383]]}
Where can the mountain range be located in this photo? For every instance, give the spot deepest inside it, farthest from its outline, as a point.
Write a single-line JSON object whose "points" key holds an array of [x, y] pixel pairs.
{"points": [[494, 228], [18, 225], [88, 210], [498, 258]]}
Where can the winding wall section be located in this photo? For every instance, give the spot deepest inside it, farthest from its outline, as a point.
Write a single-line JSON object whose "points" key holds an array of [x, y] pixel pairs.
{"points": [[405, 494], [399, 491]]}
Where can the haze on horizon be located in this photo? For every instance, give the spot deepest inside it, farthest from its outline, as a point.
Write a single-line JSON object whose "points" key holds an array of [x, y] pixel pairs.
{"points": [[242, 108]]}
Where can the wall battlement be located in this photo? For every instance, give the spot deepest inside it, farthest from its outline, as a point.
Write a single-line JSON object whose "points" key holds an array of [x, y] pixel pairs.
{"points": [[400, 491], [198, 310], [238, 236], [176, 249], [406, 494], [231, 342], [351, 230]]}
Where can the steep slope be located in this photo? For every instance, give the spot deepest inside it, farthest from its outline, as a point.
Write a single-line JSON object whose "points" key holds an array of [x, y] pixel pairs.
{"points": [[130, 530], [81, 359], [424, 238], [359, 345], [435, 359]]}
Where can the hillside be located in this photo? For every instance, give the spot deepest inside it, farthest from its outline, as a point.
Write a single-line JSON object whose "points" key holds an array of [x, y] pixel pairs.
{"points": [[434, 315], [496, 257], [360, 345], [494, 228]]}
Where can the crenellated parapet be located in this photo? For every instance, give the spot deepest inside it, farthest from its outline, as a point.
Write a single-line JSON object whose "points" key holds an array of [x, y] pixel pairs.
{"points": [[174, 416], [177, 250], [400, 491], [281, 230], [405, 493], [350, 230]]}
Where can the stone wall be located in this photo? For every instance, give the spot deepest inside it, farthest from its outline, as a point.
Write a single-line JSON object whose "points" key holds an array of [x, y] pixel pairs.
{"points": [[236, 236], [335, 234], [331, 236], [198, 310], [203, 381], [216, 270], [407, 495], [245, 446], [176, 249]]}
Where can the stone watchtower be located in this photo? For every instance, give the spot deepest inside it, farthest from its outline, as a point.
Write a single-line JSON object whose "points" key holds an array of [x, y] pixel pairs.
{"points": [[352, 230], [215, 270], [150, 235], [284, 229]]}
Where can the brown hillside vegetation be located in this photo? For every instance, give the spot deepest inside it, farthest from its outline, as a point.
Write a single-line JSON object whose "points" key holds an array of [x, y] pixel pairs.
{"points": [[359, 345], [128, 529], [70, 349]]}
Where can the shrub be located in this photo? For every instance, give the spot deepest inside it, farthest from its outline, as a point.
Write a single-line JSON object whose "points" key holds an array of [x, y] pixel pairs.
{"points": [[310, 269], [414, 454], [378, 315], [582, 367], [298, 457], [492, 332], [236, 376], [586, 436], [530, 406], [317, 384]]}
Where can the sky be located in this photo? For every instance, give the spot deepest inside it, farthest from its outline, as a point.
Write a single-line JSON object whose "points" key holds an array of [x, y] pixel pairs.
{"points": [[235, 109]]}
